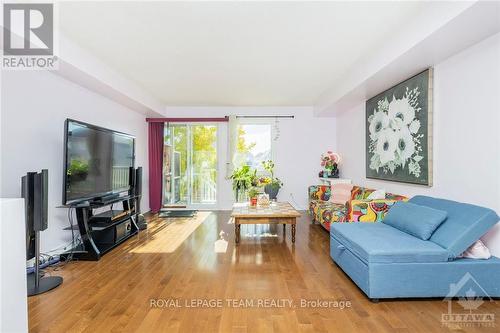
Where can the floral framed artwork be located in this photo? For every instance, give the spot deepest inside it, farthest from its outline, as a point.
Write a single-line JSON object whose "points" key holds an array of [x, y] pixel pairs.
{"points": [[399, 132]]}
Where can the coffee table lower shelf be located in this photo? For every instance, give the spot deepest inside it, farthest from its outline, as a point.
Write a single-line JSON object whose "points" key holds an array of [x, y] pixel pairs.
{"points": [[238, 221]]}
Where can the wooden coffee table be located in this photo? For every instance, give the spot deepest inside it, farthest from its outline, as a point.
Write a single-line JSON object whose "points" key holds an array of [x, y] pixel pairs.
{"points": [[276, 213]]}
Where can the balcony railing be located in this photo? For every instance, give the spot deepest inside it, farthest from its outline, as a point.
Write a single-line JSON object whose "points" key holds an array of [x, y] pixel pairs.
{"points": [[205, 187]]}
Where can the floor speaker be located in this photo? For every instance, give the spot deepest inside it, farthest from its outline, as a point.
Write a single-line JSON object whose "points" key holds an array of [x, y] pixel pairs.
{"points": [[35, 192], [141, 221]]}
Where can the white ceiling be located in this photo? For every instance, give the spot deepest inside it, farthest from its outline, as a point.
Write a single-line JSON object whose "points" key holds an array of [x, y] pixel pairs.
{"points": [[233, 53]]}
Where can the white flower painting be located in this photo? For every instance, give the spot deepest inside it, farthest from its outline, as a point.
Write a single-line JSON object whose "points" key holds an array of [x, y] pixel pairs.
{"points": [[397, 143]]}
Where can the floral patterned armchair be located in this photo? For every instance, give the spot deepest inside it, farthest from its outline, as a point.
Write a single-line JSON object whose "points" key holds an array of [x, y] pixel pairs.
{"points": [[357, 209]]}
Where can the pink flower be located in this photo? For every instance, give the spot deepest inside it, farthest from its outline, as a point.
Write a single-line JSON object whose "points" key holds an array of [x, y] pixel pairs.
{"points": [[329, 159]]}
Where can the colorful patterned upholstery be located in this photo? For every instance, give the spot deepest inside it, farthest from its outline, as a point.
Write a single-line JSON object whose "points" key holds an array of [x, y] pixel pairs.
{"points": [[320, 192], [326, 212], [396, 197], [368, 210], [358, 209], [360, 193]]}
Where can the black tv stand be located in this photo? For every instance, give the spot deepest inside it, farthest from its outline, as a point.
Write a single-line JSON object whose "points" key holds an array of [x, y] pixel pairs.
{"points": [[102, 232], [105, 199]]}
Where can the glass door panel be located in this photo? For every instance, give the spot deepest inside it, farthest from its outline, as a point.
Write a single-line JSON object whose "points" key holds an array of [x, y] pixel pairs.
{"points": [[179, 166], [203, 164], [167, 166], [190, 178]]}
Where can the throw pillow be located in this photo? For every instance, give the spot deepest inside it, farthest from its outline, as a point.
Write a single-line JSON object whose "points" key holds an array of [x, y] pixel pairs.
{"points": [[378, 194], [341, 193], [416, 220], [477, 251]]}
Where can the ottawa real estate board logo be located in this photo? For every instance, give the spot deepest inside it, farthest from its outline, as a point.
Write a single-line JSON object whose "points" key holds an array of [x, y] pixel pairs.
{"points": [[471, 295], [28, 36]]}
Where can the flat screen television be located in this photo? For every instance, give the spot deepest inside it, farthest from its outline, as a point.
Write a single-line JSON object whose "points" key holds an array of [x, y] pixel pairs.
{"points": [[97, 161]]}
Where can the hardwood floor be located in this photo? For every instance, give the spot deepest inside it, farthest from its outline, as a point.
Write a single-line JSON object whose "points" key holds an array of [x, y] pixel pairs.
{"points": [[116, 293]]}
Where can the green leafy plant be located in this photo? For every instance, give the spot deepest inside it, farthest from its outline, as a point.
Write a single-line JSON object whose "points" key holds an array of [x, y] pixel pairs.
{"points": [[243, 178], [253, 192], [269, 167]]}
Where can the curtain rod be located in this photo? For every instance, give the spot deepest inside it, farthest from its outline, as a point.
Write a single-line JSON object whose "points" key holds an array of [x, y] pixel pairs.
{"points": [[213, 120], [268, 116], [185, 120]]}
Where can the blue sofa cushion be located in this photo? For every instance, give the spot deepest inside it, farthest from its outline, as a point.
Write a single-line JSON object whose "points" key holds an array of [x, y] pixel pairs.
{"points": [[416, 220], [381, 243], [464, 225]]}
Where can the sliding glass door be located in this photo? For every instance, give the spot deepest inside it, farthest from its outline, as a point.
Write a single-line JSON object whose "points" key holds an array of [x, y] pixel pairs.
{"points": [[190, 165]]}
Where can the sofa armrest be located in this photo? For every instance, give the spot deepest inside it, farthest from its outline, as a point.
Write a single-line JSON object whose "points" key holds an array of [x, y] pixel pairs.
{"points": [[319, 192], [368, 210]]}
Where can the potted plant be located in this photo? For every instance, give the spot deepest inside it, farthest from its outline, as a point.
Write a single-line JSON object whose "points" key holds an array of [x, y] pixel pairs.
{"points": [[330, 161], [271, 184], [252, 194], [243, 178]]}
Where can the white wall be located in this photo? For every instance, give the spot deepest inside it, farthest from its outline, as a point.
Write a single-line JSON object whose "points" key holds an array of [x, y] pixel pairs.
{"points": [[34, 107], [301, 142], [466, 131], [466, 134]]}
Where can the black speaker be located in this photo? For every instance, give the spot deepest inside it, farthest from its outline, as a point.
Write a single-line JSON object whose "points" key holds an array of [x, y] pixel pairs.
{"points": [[138, 181], [131, 180], [141, 221], [35, 192], [40, 207], [28, 193]]}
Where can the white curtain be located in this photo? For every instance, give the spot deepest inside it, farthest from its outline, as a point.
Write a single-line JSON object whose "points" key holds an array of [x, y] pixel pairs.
{"points": [[232, 144]]}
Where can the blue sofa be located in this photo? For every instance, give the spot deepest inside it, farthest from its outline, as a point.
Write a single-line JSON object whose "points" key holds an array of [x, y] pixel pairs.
{"points": [[386, 262]]}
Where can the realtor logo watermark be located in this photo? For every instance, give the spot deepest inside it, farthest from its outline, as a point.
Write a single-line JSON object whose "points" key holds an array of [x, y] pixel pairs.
{"points": [[468, 314], [28, 36]]}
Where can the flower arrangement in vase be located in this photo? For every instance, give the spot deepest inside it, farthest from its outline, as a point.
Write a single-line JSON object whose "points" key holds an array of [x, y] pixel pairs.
{"points": [[330, 162], [271, 184]]}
